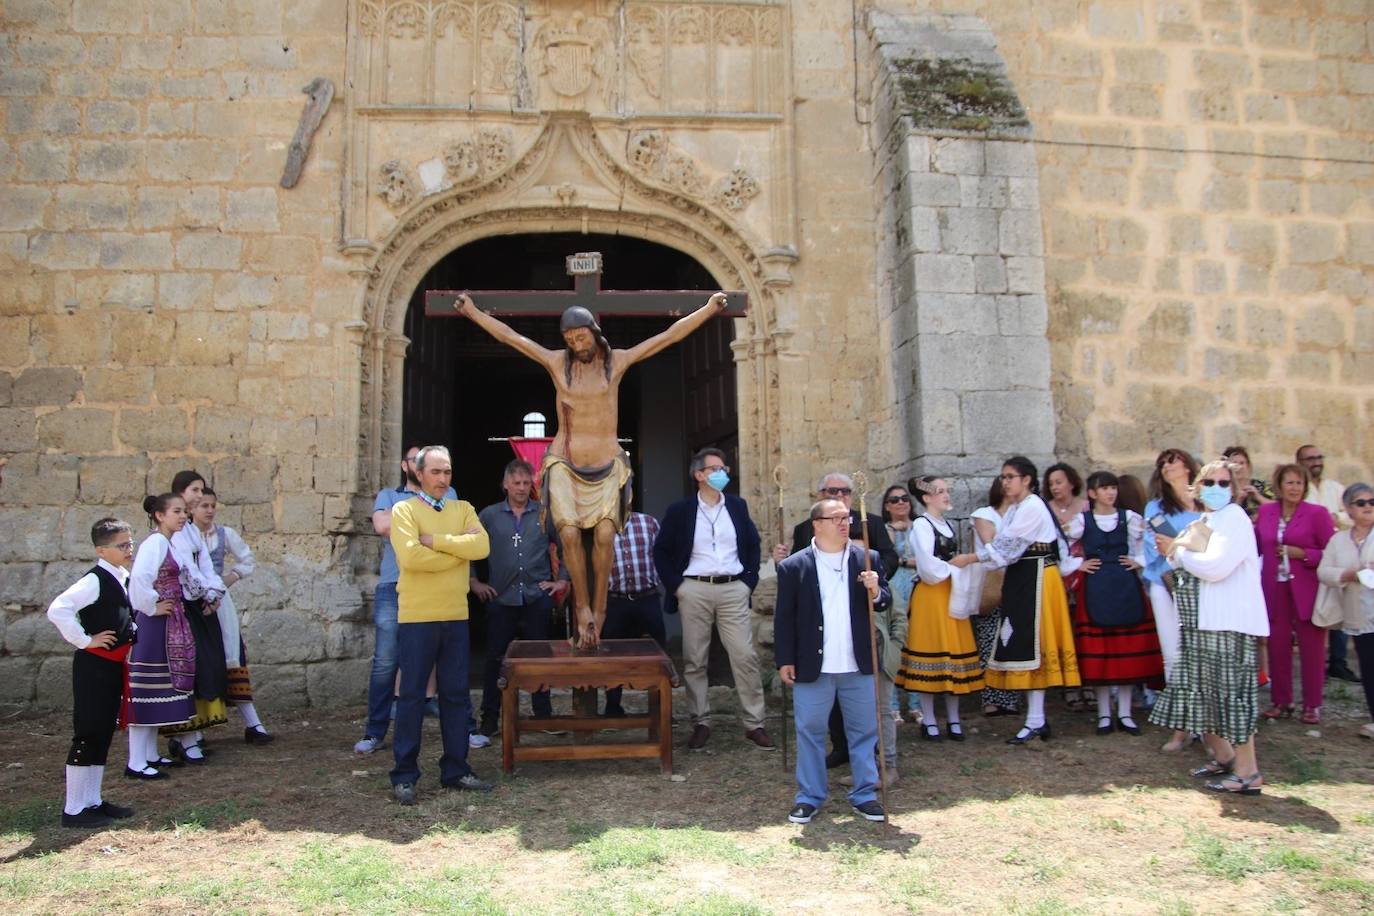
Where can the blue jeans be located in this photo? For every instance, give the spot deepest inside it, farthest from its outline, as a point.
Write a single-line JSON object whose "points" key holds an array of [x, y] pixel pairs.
{"points": [[443, 647], [631, 618], [811, 708], [1337, 649], [381, 687]]}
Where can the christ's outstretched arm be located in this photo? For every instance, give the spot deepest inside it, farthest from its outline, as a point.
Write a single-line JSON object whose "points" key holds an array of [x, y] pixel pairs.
{"points": [[506, 334], [677, 331]]}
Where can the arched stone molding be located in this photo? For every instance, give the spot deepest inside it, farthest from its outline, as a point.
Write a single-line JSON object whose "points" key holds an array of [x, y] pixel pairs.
{"points": [[567, 180]]}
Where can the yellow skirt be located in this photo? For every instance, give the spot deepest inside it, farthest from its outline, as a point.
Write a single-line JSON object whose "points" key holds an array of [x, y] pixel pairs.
{"points": [[1058, 660], [209, 713], [940, 655]]}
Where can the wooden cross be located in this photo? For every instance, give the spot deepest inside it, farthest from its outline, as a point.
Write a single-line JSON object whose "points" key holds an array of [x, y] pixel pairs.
{"points": [[585, 269]]}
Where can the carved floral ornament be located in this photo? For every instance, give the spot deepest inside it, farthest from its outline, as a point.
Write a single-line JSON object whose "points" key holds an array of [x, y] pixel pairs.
{"points": [[653, 156], [463, 162]]}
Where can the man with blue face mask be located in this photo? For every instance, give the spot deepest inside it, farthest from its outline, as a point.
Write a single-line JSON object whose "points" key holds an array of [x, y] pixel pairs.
{"points": [[707, 556]]}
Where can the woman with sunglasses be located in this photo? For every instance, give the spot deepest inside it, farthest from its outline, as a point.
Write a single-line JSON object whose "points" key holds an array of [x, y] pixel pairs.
{"points": [[1172, 507], [1347, 567], [1035, 650], [897, 516], [1214, 686], [1292, 535]]}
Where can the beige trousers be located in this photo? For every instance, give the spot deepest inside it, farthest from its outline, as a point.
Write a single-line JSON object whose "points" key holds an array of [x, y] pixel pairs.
{"points": [[701, 605]]}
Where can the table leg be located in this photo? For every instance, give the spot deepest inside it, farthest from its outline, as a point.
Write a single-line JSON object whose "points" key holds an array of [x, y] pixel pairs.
{"points": [[510, 712], [664, 698]]}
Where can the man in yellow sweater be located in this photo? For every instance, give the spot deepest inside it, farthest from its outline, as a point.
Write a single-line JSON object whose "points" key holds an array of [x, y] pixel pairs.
{"points": [[435, 540]]}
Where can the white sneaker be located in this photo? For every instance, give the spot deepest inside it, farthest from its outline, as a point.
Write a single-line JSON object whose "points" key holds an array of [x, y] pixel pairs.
{"points": [[1367, 730], [368, 745], [477, 739]]}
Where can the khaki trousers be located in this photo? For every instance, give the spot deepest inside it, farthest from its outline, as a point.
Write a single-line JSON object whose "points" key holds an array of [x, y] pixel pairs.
{"points": [[726, 606]]}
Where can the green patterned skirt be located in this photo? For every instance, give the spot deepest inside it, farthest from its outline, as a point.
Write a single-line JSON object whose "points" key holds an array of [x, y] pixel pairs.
{"points": [[1214, 687]]}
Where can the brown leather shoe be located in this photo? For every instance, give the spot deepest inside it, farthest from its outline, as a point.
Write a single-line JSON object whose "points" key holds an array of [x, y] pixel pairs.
{"points": [[700, 735], [760, 737]]}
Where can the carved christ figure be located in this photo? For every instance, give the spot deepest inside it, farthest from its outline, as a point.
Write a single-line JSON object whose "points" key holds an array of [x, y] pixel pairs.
{"points": [[586, 473]]}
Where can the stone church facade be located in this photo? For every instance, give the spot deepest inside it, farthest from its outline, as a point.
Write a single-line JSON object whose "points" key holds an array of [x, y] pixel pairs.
{"points": [[967, 228]]}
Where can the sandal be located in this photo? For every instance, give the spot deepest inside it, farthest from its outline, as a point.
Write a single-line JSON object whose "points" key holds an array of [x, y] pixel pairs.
{"points": [[1311, 716], [1238, 785], [1278, 712], [1214, 768]]}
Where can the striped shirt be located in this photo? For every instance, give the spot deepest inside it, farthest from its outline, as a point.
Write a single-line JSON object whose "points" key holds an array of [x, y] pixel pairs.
{"points": [[633, 571]]}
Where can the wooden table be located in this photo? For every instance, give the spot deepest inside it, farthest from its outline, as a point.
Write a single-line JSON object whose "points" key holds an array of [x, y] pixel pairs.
{"points": [[635, 664]]}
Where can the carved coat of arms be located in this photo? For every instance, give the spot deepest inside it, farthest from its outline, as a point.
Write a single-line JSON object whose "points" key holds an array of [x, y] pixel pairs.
{"points": [[571, 55]]}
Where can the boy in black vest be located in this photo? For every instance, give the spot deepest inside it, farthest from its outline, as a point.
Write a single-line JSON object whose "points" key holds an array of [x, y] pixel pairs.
{"points": [[94, 615]]}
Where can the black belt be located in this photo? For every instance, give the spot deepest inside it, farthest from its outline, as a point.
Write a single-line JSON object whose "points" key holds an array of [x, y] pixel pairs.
{"points": [[634, 596], [715, 580]]}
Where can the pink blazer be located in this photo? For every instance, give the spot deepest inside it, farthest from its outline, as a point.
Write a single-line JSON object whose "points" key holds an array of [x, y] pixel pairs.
{"points": [[1309, 528]]}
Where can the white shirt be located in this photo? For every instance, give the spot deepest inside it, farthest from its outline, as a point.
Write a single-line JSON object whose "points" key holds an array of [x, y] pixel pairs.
{"points": [[1230, 596], [1328, 496], [233, 546], [930, 568], [1135, 531], [1027, 522], [715, 546], [192, 553], [82, 593], [832, 574], [152, 550]]}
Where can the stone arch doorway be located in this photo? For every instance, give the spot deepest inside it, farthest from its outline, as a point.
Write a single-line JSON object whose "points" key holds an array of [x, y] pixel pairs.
{"points": [[461, 388]]}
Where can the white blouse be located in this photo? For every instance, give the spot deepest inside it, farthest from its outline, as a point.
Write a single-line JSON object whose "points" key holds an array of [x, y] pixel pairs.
{"points": [[1027, 522], [192, 553], [1230, 597], [152, 550], [930, 569], [1135, 531], [234, 546]]}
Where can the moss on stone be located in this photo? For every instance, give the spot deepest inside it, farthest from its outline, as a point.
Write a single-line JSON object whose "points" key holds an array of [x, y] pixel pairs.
{"points": [[944, 94]]}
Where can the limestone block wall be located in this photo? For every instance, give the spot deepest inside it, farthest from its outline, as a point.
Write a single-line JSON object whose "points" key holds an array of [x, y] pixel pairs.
{"points": [[961, 278], [164, 304], [1207, 185]]}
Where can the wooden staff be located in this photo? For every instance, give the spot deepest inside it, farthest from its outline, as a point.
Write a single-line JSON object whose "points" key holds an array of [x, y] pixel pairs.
{"points": [[780, 478], [861, 484]]}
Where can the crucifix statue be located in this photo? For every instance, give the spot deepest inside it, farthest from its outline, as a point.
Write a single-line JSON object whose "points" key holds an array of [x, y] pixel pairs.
{"points": [[586, 473]]}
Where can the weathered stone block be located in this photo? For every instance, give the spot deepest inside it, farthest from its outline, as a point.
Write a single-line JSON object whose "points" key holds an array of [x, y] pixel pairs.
{"points": [[23, 207], [301, 513], [47, 386], [109, 160], [990, 274], [18, 428], [77, 430], [1359, 245], [17, 676], [1074, 314], [64, 250], [44, 160], [209, 250], [340, 683], [348, 640], [932, 190], [1022, 316], [1001, 422], [98, 207], [1025, 275], [984, 191], [19, 585], [1226, 193], [208, 339], [1253, 240], [105, 481], [969, 231], [1222, 68], [185, 291], [128, 251], [1311, 243], [248, 479], [953, 313], [943, 273], [222, 431], [923, 226], [278, 686], [192, 160], [1319, 326], [959, 156], [33, 634], [1010, 158], [1135, 102], [1141, 65], [253, 210], [1311, 367], [140, 339], [155, 429], [274, 637], [53, 685], [1234, 365]]}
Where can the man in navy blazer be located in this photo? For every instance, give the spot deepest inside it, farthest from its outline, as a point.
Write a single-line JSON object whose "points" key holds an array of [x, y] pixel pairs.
{"points": [[822, 641], [707, 556]]}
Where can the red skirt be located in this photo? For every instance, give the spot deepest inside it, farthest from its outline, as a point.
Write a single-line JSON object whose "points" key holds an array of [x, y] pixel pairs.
{"points": [[1116, 655]]}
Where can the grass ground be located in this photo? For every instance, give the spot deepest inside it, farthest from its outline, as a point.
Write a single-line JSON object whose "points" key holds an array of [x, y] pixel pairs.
{"points": [[1081, 824]]}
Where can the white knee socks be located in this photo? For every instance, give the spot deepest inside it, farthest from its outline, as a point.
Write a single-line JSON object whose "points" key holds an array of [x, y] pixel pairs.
{"points": [[1104, 703], [250, 715], [928, 708], [142, 746], [76, 790], [1035, 708], [1123, 701]]}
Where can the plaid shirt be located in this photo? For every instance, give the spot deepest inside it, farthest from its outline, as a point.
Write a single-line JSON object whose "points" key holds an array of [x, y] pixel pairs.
{"points": [[633, 571], [436, 504]]}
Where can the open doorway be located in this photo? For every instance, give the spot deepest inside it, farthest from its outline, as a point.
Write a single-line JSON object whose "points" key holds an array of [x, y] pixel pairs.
{"points": [[463, 388]]}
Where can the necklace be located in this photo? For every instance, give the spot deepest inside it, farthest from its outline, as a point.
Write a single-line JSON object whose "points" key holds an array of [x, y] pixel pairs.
{"points": [[711, 519]]}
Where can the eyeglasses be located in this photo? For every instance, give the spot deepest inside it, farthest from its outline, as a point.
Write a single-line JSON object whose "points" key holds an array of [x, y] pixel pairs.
{"points": [[1214, 482], [126, 546], [710, 468], [1012, 476], [898, 499], [1362, 503], [831, 518], [1167, 459], [836, 491]]}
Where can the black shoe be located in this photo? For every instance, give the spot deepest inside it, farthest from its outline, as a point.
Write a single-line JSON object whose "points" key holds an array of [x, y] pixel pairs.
{"points": [[109, 809], [1027, 735], [1104, 725], [931, 732], [468, 783], [139, 774], [89, 819], [956, 732], [1341, 671], [1127, 725], [257, 735], [163, 763], [836, 759], [178, 752], [870, 810], [489, 727], [700, 735], [801, 813]]}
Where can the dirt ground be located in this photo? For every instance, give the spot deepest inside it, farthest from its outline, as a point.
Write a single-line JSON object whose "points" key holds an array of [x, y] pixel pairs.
{"points": [[1080, 824]]}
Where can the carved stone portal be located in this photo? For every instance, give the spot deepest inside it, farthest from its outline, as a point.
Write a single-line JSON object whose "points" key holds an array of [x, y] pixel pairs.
{"points": [[395, 185]]}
